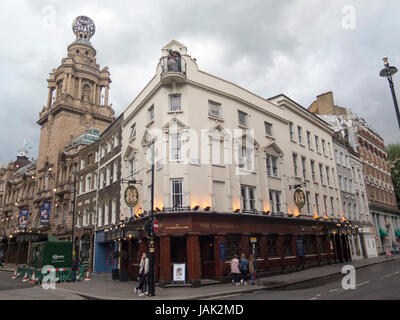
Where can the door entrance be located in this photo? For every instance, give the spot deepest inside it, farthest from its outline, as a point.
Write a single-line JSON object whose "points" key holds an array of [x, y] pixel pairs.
{"points": [[207, 257]]}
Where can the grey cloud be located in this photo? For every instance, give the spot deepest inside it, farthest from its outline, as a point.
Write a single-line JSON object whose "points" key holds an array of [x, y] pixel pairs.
{"points": [[295, 47]]}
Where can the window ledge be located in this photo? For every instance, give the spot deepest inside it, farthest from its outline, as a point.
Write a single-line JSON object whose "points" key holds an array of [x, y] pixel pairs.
{"points": [[133, 138], [217, 118], [150, 123], [275, 177], [270, 137], [302, 145], [175, 111], [243, 126], [247, 171]]}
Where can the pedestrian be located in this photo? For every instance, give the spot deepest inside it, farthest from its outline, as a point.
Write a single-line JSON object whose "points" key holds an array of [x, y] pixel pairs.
{"points": [[252, 268], [142, 278], [244, 269], [74, 269], [235, 270]]}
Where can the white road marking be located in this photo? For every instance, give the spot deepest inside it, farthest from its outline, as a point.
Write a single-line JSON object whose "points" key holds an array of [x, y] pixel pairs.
{"points": [[315, 298], [333, 290], [231, 295], [362, 283]]}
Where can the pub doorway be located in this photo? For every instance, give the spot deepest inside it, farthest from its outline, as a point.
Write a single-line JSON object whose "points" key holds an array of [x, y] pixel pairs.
{"points": [[207, 258], [178, 250]]}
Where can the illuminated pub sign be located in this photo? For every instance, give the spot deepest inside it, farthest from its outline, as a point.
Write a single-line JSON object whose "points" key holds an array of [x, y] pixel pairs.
{"points": [[131, 196], [299, 198]]}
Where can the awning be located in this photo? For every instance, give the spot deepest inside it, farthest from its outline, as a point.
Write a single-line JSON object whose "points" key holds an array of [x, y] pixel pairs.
{"points": [[397, 232], [382, 232]]}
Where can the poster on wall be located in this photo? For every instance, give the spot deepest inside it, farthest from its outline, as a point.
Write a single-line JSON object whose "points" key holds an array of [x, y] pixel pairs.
{"points": [[23, 218], [179, 272], [45, 213]]}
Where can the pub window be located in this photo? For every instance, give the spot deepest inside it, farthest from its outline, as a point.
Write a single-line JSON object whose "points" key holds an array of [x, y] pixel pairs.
{"points": [[309, 244], [175, 102], [272, 246], [322, 244], [288, 246], [268, 128], [232, 246], [214, 109], [133, 130], [175, 147], [176, 186], [242, 118]]}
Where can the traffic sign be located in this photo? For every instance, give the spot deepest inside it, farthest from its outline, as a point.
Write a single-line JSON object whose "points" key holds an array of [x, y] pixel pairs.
{"points": [[155, 225]]}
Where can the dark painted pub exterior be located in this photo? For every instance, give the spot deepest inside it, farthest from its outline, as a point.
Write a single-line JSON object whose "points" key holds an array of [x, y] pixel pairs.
{"points": [[207, 241]]}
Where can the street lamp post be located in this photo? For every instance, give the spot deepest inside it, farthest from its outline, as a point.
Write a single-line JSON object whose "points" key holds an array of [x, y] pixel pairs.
{"points": [[151, 218], [73, 214], [387, 72]]}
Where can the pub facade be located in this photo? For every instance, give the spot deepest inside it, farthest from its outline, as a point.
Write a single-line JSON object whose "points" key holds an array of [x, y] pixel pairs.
{"points": [[233, 173]]}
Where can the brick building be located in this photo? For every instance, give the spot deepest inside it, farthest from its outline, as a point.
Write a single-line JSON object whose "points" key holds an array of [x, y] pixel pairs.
{"points": [[376, 169], [77, 105]]}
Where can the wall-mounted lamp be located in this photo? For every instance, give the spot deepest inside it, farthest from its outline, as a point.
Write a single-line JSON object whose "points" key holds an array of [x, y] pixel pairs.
{"points": [[237, 211], [195, 208], [207, 208]]}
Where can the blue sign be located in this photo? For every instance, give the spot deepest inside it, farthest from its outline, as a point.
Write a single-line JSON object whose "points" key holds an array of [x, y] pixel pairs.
{"points": [[222, 251], [45, 213], [300, 247], [23, 218]]}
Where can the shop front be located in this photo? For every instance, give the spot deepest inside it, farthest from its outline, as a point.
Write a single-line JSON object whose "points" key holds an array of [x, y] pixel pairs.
{"points": [[106, 248], [201, 244]]}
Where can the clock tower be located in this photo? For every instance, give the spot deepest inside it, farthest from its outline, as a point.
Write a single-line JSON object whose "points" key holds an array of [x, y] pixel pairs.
{"points": [[77, 101]]}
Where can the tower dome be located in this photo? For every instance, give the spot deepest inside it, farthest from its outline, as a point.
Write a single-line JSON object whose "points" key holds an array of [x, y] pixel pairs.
{"points": [[83, 28]]}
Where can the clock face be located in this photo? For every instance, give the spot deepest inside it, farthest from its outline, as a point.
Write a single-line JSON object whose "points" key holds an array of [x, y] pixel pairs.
{"points": [[85, 25]]}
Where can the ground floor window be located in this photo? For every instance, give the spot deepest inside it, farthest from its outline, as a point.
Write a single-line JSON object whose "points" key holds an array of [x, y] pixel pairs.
{"points": [[232, 246], [272, 246], [322, 244], [288, 245], [309, 244]]}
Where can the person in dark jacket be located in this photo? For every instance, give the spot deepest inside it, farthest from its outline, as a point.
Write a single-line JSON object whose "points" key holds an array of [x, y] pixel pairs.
{"points": [[74, 269]]}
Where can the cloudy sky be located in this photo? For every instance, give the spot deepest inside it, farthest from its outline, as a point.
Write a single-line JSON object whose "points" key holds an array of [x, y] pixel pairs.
{"points": [[301, 48]]}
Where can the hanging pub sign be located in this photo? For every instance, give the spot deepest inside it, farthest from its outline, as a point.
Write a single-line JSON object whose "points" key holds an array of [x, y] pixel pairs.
{"points": [[45, 213], [23, 218], [131, 196], [299, 198]]}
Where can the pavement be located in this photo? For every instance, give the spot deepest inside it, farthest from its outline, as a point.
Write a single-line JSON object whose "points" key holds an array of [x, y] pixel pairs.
{"points": [[101, 288]]}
